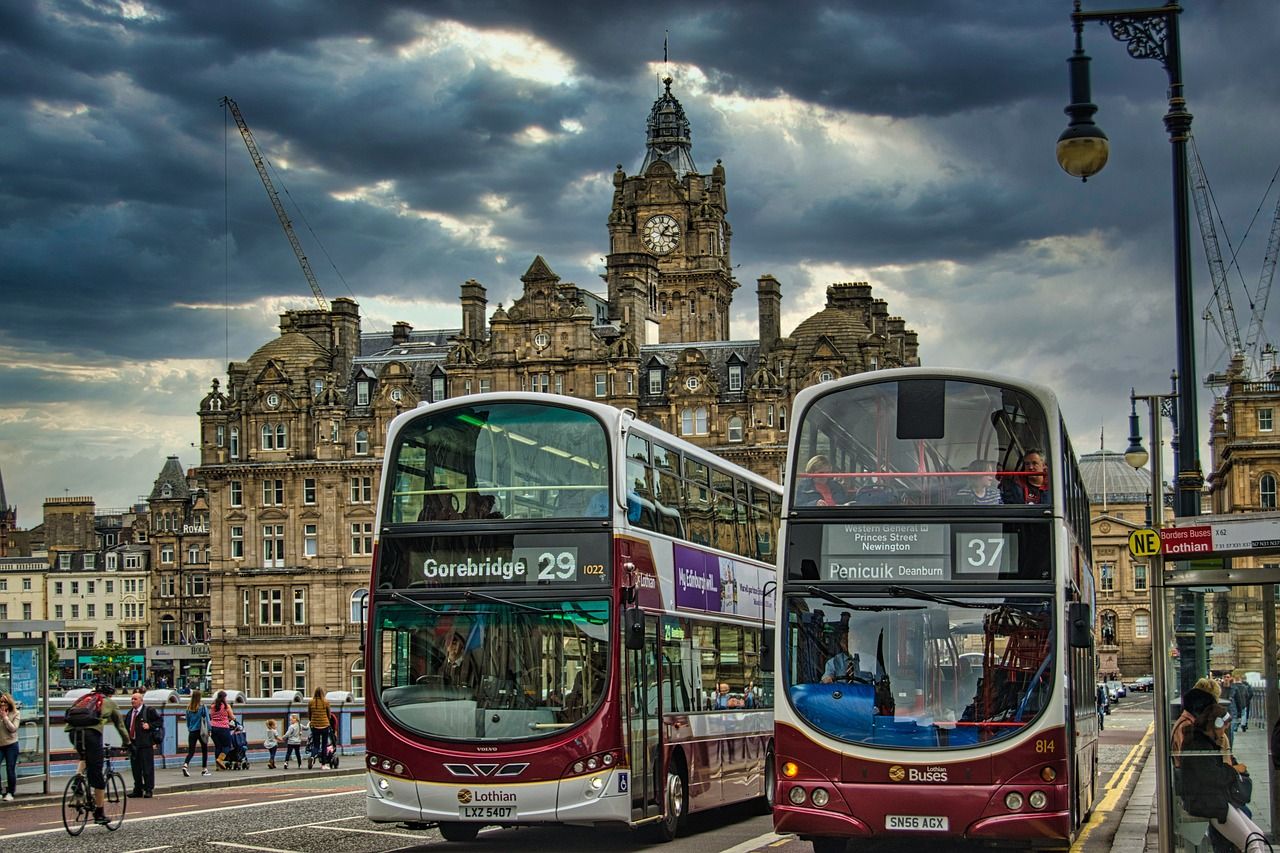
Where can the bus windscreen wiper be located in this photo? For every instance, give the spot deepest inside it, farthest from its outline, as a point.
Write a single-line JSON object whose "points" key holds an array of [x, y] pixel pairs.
{"points": [[493, 599], [416, 603], [921, 595], [840, 602]]}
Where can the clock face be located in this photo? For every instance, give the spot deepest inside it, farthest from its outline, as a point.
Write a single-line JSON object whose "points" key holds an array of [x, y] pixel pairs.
{"points": [[661, 234]]}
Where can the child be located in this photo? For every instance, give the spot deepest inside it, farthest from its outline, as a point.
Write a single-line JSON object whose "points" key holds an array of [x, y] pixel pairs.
{"points": [[293, 741], [271, 743]]}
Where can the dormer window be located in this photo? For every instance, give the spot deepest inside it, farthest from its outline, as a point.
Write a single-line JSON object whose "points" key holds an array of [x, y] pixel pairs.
{"points": [[362, 393], [317, 387], [166, 491], [735, 377], [655, 381]]}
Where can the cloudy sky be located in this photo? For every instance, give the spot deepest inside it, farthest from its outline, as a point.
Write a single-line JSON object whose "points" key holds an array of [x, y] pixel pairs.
{"points": [[907, 144]]}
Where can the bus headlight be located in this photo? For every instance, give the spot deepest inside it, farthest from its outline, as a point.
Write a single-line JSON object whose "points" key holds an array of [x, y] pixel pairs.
{"points": [[594, 787], [1013, 801], [796, 795], [1038, 800], [820, 797], [608, 759]]}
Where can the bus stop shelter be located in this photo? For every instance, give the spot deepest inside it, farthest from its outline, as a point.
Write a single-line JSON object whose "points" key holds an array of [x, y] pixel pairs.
{"points": [[1214, 613], [24, 675]]}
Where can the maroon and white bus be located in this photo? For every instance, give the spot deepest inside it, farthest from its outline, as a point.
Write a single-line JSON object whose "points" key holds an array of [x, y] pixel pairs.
{"points": [[566, 619], [934, 669]]}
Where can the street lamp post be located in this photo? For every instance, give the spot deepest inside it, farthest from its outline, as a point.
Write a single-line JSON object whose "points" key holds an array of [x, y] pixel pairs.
{"points": [[1149, 33], [1136, 456]]}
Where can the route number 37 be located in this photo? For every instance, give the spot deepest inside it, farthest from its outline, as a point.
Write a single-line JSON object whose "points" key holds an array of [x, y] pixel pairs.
{"points": [[984, 553]]}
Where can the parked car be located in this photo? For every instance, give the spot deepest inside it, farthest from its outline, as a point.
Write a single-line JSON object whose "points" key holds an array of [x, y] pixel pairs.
{"points": [[1141, 684], [1117, 691]]}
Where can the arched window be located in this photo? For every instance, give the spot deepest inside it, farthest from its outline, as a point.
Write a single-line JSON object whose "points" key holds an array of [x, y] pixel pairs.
{"points": [[1141, 625], [235, 442], [268, 438], [357, 679], [1108, 627], [282, 436], [1267, 490], [359, 603], [686, 422], [735, 428], [362, 442]]}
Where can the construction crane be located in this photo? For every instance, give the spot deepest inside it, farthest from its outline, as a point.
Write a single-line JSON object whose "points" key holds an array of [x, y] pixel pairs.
{"points": [[1252, 349], [261, 165]]}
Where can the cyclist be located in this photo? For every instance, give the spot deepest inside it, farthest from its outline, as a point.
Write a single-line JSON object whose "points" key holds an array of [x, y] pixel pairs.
{"points": [[88, 743]]}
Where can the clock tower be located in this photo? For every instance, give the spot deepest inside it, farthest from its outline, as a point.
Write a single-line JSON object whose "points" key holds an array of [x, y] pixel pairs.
{"points": [[675, 216]]}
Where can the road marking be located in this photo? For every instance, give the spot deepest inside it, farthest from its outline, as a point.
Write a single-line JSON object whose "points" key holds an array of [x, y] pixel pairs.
{"points": [[185, 812], [769, 839], [149, 849], [1115, 787], [305, 825], [250, 847], [373, 831]]}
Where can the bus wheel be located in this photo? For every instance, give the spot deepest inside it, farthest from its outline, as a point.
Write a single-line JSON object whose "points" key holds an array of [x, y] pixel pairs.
{"points": [[825, 844], [674, 806], [459, 831], [766, 802]]}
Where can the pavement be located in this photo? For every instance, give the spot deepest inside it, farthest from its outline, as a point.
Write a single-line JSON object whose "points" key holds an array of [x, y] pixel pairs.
{"points": [[169, 779]]}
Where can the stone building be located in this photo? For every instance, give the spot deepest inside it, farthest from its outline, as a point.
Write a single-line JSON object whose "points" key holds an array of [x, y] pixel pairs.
{"points": [[1244, 436], [8, 525], [1118, 496], [291, 447], [179, 553]]}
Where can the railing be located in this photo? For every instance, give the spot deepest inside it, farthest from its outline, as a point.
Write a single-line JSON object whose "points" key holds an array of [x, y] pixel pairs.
{"points": [[252, 713]]}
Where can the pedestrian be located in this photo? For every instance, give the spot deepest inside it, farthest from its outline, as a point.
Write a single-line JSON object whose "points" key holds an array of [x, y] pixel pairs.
{"points": [[197, 718], [1208, 779], [220, 719], [9, 720], [143, 723], [293, 742], [271, 742], [318, 713], [1241, 697]]}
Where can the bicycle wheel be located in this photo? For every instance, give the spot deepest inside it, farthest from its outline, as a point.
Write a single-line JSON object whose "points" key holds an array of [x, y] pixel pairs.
{"points": [[117, 800], [76, 805]]}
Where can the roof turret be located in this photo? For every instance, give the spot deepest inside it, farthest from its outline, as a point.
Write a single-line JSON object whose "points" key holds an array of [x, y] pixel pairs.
{"points": [[668, 136]]}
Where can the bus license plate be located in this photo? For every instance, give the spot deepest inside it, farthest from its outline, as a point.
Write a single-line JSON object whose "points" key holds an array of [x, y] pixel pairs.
{"points": [[486, 812], [919, 823]]}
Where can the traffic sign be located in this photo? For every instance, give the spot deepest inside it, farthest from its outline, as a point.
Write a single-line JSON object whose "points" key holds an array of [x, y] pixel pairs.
{"points": [[1144, 542]]}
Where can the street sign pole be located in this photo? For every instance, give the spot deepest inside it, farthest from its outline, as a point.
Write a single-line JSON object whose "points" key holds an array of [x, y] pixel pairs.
{"points": [[1159, 641]]}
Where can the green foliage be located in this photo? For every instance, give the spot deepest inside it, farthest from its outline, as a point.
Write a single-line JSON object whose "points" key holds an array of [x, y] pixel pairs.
{"points": [[110, 660]]}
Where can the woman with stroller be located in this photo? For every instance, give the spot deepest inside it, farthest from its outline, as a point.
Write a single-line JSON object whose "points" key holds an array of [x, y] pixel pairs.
{"points": [[220, 719], [318, 712], [293, 742], [197, 718]]}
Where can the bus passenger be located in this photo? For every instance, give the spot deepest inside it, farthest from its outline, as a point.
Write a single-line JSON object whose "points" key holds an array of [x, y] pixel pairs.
{"points": [[821, 490], [1031, 487], [980, 488], [724, 700]]}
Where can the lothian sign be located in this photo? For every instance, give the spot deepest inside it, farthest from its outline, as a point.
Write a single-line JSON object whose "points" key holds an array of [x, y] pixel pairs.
{"points": [[1222, 534]]}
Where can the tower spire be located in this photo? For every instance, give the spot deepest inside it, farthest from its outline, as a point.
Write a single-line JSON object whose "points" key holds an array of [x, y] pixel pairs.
{"points": [[668, 137]]}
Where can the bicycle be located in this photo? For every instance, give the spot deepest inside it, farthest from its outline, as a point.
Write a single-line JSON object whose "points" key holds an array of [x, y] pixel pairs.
{"points": [[77, 799]]}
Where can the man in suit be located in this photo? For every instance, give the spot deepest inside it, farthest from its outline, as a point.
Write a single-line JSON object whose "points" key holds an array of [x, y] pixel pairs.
{"points": [[143, 723]]}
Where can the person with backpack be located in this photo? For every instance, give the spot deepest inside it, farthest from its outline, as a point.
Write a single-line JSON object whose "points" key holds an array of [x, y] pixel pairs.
{"points": [[197, 719], [85, 721]]}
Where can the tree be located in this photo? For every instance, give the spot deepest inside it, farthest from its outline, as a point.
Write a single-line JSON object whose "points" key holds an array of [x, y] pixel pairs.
{"points": [[55, 669], [110, 661]]}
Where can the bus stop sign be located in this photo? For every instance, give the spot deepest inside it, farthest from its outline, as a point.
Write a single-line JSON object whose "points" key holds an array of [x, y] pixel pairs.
{"points": [[1144, 542]]}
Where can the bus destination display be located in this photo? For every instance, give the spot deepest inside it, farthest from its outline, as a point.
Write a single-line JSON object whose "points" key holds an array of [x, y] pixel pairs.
{"points": [[915, 553], [522, 560]]}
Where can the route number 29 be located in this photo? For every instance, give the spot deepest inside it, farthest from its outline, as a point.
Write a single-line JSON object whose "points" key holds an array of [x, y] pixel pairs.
{"points": [[562, 566]]}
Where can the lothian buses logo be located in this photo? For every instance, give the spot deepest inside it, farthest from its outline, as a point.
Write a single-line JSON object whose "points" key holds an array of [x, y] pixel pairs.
{"points": [[897, 773], [464, 795]]}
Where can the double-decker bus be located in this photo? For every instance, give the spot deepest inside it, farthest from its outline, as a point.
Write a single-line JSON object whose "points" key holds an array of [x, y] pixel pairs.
{"points": [[566, 621], [934, 667]]}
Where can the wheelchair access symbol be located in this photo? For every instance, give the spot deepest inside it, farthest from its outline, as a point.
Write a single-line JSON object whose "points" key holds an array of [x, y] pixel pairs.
{"points": [[1144, 542]]}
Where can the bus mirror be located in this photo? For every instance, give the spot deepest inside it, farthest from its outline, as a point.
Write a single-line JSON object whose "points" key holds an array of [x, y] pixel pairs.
{"points": [[1079, 629], [633, 628], [766, 652]]}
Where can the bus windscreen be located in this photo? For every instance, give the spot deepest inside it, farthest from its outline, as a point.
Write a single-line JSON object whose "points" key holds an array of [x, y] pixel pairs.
{"points": [[501, 460]]}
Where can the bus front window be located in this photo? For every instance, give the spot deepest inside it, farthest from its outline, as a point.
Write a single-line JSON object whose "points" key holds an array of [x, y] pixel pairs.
{"points": [[501, 460], [491, 670], [920, 673]]}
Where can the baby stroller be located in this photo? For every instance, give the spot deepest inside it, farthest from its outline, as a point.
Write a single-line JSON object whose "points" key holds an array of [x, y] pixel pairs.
{"points": [[327, 755], [238, 755]]}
